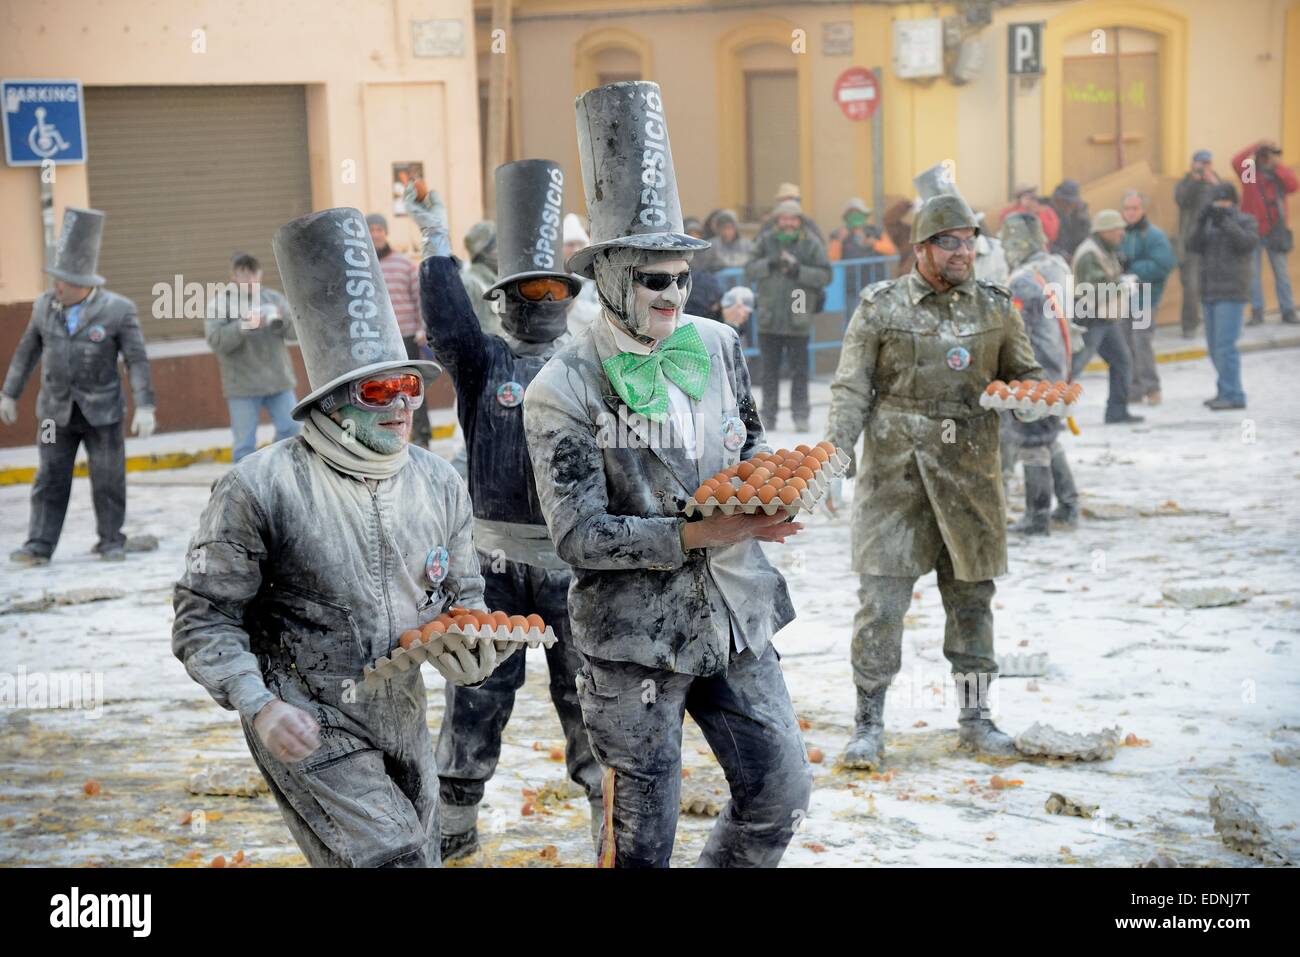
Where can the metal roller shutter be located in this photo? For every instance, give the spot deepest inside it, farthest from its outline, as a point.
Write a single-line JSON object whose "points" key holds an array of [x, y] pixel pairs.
{"points": [[187, 175]]}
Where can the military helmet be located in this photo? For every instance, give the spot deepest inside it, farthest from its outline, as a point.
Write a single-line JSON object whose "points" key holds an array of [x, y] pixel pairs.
{"points": [[941, 213]]}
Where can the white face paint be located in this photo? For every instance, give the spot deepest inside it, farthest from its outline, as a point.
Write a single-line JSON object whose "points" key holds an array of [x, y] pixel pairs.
{"points": [[656, 313]]}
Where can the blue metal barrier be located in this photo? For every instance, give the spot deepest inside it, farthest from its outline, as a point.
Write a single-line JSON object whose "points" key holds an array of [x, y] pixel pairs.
{"points": [[848, 278]]}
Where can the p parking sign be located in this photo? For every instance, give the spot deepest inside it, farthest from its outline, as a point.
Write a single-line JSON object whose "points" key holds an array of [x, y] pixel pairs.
{"points": [[45, 121]]}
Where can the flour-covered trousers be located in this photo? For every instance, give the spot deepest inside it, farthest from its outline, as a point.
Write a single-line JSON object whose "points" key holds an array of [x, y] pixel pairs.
{"points": [[877, 647], [634, 715], [368, 797], [52, 488], [469, 739]]}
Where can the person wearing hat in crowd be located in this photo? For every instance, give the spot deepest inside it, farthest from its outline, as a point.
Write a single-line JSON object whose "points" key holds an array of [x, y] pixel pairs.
{"points": [[479, 274], [858, 238], [1226, 239], [249, 342], [789, 269], [1072, 213], [1037, 279], [77, 331], [522, 572], [917, 355], [672, 614], [737, 306], [728, 249], [1099, 289], [1265, 185], [315, 554], [1192, 194], [1146, 253], [790, 193], [1027, 200], [404, 292]]}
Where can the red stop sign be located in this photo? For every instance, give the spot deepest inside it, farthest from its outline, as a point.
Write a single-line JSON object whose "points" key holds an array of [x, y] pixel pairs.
{"points": [[857, 93]]}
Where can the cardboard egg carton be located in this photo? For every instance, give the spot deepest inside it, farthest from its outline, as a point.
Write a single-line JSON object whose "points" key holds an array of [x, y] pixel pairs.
{"points": [[400, 659], [809, 498], [1001, 396]]}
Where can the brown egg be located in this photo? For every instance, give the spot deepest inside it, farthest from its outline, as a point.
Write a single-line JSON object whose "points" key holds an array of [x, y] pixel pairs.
{"points": [[746, 492], [804, 473], [821, 455], [535, 621], [730, 471], [767, 493], [457, 610], [483, 617], [777, 482], [760, 475], [811, 462], [993, 387], [722, 478], [466, 621], [745, 470], [500, 619], [432, 628], [784, 472], [1013, 385], [445, 619], [519, 621], [798, 483], [789, 495], [703, 494], [827, 445], [802, 448], [409, 638]]}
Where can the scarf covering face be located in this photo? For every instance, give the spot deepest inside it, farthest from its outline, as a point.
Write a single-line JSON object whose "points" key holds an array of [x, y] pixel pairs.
{"points": [[616, 289], [344, 452], [641, 381], [535, 322]]}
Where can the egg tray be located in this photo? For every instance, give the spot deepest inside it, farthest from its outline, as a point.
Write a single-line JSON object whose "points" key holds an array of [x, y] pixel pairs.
{"points": [[809, 499], [1061, 407], [401, 659]]}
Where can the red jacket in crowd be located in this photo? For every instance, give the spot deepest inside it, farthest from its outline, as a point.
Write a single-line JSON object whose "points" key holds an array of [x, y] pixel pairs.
{"points": [[1259, 198]]}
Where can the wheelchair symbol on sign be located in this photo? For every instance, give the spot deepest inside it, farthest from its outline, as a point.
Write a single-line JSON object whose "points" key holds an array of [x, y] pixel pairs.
{"points": [[44, 139]]}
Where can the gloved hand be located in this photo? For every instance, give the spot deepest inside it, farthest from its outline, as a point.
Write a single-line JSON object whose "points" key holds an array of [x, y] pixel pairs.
{"points": [[430, 215], [8, 410], [143, 422], [462, 665], [1033, 415], [289, 733], [789, 263]]}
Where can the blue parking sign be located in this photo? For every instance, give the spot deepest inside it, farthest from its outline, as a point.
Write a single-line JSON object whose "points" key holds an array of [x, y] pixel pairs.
{"points": [[44, 120]]}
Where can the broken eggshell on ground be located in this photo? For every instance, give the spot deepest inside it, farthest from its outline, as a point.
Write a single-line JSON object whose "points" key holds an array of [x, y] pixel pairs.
{"points": [[401, 659], [809, 498]]}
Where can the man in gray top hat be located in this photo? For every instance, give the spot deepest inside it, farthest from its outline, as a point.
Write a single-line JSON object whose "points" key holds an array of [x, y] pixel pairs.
{"points": [[312, 557], [672, 615], [522, 572], [77, 331]]}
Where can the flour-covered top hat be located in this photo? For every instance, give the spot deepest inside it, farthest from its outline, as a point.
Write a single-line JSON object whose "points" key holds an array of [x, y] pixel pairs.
{"points": [[76, 257], [627, 173], [341, 312], [530, 223]]}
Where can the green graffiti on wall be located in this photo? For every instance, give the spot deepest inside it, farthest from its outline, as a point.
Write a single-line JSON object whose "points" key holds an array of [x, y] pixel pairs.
{"points": [[1135, 95]]}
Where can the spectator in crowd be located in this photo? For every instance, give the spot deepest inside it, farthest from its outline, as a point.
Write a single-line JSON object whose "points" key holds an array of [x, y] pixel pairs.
{"points": [[789, 193], [789, 267], [403, 282], [1226, 240], [730, 250], [736, 308], [990, 259], [1028, 201], [898, 228], [706, 295], [586, 305], [858, 238], [1266, 184], [1072, 212], [480, 273], [694, 226], [1097, 273], [1192, 194], [1145, 252], [249, 340]]}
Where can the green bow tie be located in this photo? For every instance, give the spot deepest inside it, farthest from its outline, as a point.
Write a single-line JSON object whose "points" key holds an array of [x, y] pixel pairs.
{"points": [[639, 380]]}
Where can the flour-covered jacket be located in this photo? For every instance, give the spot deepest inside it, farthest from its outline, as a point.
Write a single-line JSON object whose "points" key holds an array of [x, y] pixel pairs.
{"points": [[300, 575], [612, 488], [81, 367]]}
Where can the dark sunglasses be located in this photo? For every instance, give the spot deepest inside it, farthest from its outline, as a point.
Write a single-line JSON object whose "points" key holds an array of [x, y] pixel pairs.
{"points": [[949, 243], [659, 281]]}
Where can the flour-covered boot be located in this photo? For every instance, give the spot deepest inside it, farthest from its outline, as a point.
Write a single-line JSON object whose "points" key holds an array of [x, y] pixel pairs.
{"points": [[982, 735], [866, 750], [459, 826], [1038, 502]]}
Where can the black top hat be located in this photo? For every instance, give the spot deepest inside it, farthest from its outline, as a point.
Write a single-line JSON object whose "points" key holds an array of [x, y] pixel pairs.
{"points": [[530, 223], [77, 255], [341, 312], [627, 173]]}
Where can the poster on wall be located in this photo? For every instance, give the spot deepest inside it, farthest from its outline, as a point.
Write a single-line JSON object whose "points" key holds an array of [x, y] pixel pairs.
{"points": [[404, 173]]}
